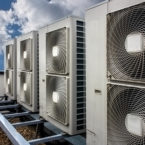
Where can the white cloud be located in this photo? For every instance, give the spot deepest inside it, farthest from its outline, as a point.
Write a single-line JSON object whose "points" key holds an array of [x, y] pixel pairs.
{"points": [[33, 14], [6, 17]]}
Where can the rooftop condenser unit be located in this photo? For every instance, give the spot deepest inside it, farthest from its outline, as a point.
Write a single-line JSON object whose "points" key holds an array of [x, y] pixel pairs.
{"points": [[125, 43], [9, 82], [125, 115], [28, 90], [115, 82], [10, 69], [62, 74]]}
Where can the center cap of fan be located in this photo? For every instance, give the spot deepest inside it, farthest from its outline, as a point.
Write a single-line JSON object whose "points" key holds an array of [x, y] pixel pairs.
{"points": [[25, 54], [135, 125], [55, 97], [25, 87], [55, 51], [134, 43], [8, 56], [8, 81]]}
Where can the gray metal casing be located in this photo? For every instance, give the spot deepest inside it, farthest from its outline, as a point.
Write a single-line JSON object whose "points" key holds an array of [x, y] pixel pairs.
{"points": [[70, 23], [96, 67], [34, 72], [2, 87], [13, 69]]}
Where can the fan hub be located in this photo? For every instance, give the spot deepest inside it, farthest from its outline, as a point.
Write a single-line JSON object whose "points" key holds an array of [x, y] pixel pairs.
{"points": [[25, 87], [135, 125], [25, 54], [55, 51], [8, 56], [55, 97], [134, 43], [8, 81]]}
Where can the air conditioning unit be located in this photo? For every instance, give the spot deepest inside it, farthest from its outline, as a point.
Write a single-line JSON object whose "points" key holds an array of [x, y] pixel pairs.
{"points": [[62, 74], [9, 82], [26, 87], [26, 54], [125, 115], [28, 73], [10, 69], [125, 43], [9, 56], [115, 81]]}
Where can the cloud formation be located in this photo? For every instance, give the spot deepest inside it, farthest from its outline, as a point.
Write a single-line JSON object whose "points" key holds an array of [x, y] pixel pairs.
{"points": [[6, 17], [32, 14]]}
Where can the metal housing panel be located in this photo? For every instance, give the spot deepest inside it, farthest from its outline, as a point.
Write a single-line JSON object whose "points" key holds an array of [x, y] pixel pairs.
{"points": [[33, 36], [96, 69], [13, 68], [70, 24]]}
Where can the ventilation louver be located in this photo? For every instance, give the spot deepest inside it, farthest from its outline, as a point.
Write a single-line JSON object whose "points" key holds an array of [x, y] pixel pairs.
{"points": [[9, 82], [26, 87], [126, 116], [26, 54], [126, 44], [57, 98], [9, 56], [56, 55]]}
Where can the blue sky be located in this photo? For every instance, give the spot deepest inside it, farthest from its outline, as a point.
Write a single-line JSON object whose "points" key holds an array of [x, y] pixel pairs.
{"points": [[5, 5], [22, 16]]}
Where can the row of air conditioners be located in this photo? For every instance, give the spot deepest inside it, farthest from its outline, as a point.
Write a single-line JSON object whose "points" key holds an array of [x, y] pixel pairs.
{"points": [[115, 72], [51, 74]]}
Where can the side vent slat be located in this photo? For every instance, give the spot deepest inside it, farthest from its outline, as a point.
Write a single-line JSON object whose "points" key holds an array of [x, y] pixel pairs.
{"points": [[81, 76]]}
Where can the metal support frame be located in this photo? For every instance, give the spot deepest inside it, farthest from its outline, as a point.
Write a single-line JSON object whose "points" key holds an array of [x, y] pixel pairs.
{"points": [[6, 102], [6, 107], [11, 132], [27, 123], [46, 139], [17, 114], [17, 139], [74, 140]]}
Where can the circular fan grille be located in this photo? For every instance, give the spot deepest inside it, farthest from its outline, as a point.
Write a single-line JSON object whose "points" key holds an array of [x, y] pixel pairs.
{"points": [[9, 82], [58, 110], [56, 59], [26, 55], [121, 64], [26, 91], [121, 102], [9, 56]]}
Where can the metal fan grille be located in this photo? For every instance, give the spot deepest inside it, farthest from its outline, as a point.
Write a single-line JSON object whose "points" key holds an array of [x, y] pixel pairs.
{"points": [[26, 54], [57, 64], [121, 64], [9, 82], [123, 101], [59, 110], [26, 93], [9, 56]]}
